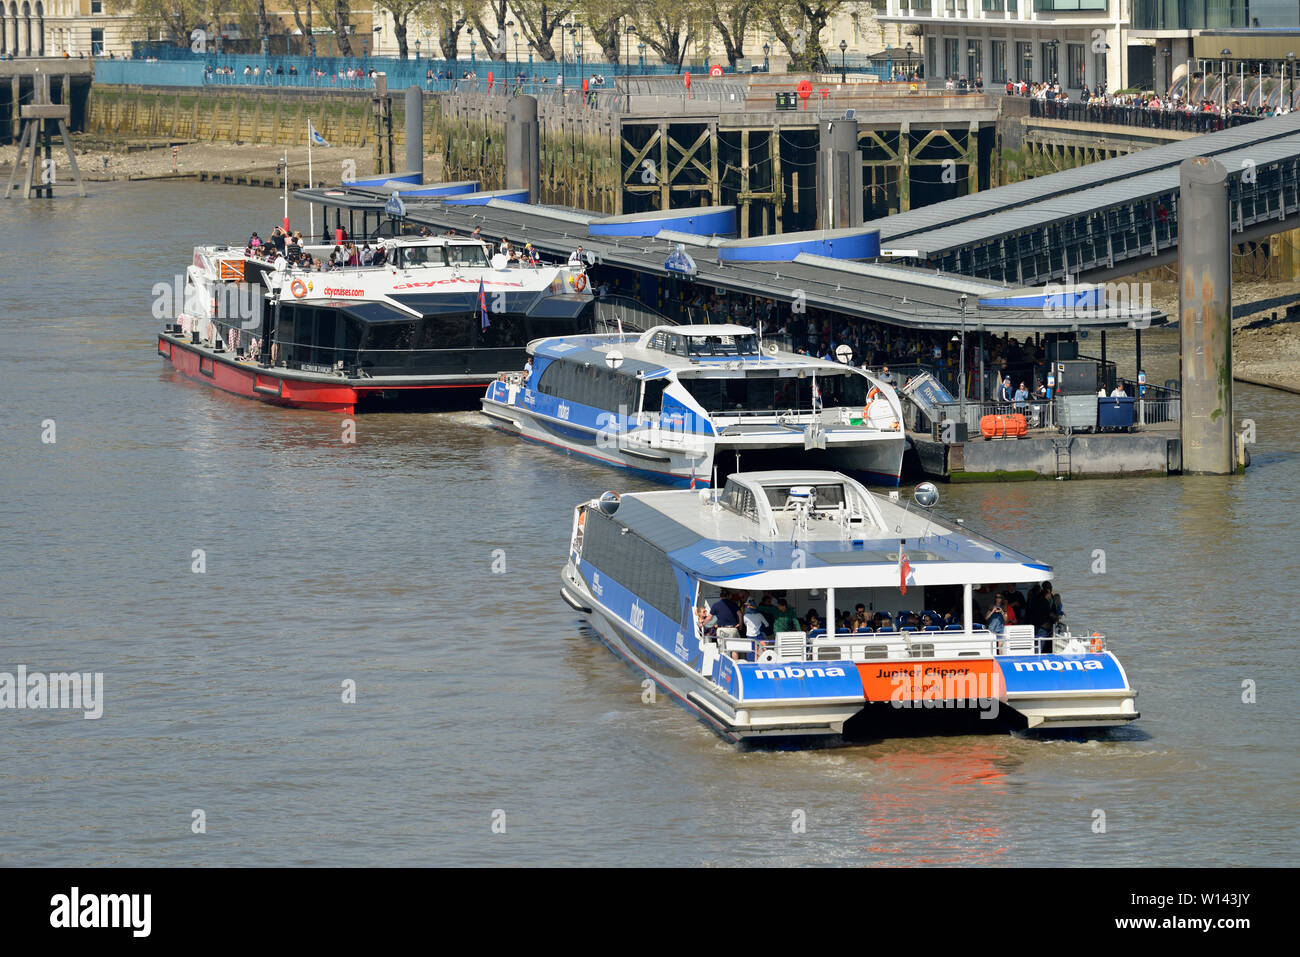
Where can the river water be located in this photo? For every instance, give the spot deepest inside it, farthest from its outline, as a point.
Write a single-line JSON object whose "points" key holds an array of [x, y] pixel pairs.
{"points": [[421, 563]]}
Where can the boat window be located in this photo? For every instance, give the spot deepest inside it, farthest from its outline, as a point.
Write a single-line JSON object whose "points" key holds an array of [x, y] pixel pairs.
{"points": [[466, 255], [504, 331], [740, 499], [591, 385], [418, 255], [654, 395], [634, 563], [390, 336], [446, 332], [828, 496], [744, 345]]}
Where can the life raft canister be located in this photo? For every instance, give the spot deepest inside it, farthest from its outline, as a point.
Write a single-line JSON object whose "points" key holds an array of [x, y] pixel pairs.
{"points": [[1095, 644], [866, 409], [298, 288]]}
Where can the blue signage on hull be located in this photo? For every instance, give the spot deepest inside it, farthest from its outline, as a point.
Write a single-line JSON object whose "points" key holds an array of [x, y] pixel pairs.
{"points": [[768, 681], [1099, 672]]}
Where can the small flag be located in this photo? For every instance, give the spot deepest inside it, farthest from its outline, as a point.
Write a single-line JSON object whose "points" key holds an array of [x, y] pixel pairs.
{"points": [[904, 569], [315, 137], [482, 306]]}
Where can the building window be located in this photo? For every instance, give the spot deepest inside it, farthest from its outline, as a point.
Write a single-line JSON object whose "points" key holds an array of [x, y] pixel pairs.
{"points": [[998, 69], [931, 56], [1025, 60], [994, 5], [974, 60], [1053, 5], [96, 42], [1049, 62], [951, 58], [1074, 62], [96, 6]]}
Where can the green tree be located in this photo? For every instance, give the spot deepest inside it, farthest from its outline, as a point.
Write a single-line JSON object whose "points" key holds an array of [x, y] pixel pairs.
{"points": [[732, 19], [798, 24], [538, 21], [604, 19], [400, 11]]}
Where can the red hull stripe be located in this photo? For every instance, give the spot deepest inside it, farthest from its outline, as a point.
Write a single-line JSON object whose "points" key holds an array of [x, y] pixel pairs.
{"points": [[253, 382]]}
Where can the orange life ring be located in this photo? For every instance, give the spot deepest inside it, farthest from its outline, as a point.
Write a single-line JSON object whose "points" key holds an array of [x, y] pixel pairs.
{"points": [[872, 394], [580, 282], [582, 518], [1095, 645], [298, 288]]}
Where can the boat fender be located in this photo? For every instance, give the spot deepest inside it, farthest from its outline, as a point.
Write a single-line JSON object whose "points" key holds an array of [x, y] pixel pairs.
{"points": [[298, 288], [580, 282]]}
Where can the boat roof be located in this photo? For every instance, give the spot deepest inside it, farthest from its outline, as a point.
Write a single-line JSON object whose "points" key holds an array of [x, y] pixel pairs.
{"points": [[768, 548], [640, 359]]}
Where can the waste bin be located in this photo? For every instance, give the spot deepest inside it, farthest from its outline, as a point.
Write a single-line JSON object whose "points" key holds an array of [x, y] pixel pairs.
{"points": [[1115, 412], [1076, 412]]}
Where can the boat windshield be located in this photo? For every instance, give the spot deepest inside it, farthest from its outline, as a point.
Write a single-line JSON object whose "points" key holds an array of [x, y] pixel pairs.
{"points": [[746, 345], [466, 255], [768, 392]]}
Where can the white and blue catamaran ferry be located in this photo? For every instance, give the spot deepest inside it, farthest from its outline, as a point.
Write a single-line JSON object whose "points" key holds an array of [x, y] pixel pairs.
{"points": [[674, 402], [664, 578]]}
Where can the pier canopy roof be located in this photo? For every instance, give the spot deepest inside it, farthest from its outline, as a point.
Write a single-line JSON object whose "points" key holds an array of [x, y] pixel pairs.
{"points": [[482, 199], [910, 297], [695, 220], [853, 243]]}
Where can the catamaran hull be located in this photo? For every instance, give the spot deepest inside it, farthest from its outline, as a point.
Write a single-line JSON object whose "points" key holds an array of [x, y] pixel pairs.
{"points": [[278, 387], [669, 467], [878, 461]]}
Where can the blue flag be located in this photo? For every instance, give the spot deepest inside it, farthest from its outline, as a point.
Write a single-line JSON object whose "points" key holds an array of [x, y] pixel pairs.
{"points": [[482, 306]]}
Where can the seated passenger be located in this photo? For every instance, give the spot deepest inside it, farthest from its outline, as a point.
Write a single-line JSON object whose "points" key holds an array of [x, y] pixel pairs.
{"points": [[814, 622], [380, 256], [786, 619]]}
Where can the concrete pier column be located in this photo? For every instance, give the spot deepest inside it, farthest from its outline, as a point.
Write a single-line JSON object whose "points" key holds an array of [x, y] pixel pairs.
{"points": [[523, 162], [415, 131], [1205, 317], [839, 176]]}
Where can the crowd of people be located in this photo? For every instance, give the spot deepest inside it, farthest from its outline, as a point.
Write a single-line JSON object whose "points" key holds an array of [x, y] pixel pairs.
{"points": [[739, 614], [1172, 101], [284, 249]]}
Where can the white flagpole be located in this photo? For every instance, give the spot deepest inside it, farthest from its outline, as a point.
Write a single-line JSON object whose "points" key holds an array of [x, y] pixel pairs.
{"points": [[311, 207], [286, 190]]}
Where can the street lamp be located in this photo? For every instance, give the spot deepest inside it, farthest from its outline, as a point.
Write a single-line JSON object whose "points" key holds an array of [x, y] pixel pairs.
{"points": [[640, 49], [627, 48], [909, 69], [961, 368], [843, 72], [516, 46], [1290, 59], [1167, 53], [767, 48], [417, 49], [1223, 82], [472, 63]]}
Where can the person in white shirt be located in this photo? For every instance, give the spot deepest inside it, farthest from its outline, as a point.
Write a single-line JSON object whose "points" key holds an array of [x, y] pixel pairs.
{"points": [[578, 257], [1101, 393], [755, 623], [1118, 391]]}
